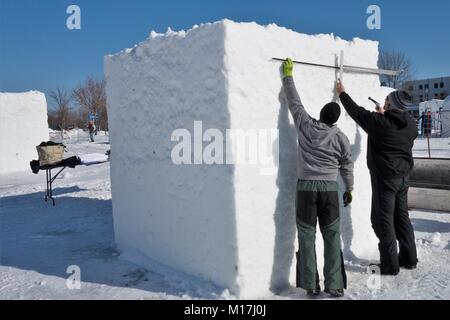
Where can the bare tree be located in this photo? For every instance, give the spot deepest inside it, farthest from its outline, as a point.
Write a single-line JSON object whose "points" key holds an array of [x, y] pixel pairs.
{"points": [[91, 96], [61, 116], [80, 117], [395, 60]]}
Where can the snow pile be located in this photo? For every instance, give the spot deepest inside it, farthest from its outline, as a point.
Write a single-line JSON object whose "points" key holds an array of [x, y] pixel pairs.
{"points": [[433, 105], [232, 223], [93, 158], [23, 126], [66, 134]]}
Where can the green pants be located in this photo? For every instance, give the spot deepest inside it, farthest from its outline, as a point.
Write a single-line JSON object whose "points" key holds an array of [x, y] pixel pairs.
{"points": [[319, 200]]}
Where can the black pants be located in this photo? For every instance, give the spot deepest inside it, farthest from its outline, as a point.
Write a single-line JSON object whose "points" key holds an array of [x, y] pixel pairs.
{"points": [[390, 221]]}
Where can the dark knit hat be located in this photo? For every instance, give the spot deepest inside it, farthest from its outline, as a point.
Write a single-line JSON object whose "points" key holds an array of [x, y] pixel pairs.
{"points": [[399, 99], [330, 113]]}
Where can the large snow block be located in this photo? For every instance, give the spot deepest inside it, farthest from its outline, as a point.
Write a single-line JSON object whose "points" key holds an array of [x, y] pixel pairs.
{"points": [[23, 126], [231, 223]]}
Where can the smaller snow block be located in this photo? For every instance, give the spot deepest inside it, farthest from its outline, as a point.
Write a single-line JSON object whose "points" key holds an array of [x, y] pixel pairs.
{"points": [[23, 125], [180, 104]]}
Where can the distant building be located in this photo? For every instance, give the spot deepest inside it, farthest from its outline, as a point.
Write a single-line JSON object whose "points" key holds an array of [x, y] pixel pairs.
{"points": [[428, 89]]}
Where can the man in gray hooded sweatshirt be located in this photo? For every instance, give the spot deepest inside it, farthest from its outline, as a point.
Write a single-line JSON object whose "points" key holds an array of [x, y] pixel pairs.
{"points": [[324, 151]]}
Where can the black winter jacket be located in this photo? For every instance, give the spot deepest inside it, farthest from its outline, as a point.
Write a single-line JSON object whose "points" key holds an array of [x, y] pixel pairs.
{"points": [[391, 138]]}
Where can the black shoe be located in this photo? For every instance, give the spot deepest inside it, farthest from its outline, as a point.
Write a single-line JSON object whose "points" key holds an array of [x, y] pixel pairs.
{"points": [[385, 272], [335, 293], [391, 273], [409, 266], [313, 292]]}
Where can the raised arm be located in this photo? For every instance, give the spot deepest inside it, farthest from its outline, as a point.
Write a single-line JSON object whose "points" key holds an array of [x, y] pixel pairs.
{"points": [[368, 121], [295, 104]]}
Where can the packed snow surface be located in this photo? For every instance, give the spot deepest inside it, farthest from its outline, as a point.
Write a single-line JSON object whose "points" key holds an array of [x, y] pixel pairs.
{"points": [[39, 242], [233, 223]]}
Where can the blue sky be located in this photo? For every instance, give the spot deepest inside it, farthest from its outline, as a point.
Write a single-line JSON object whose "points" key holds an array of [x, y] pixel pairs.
{"points": [[38, 52]]}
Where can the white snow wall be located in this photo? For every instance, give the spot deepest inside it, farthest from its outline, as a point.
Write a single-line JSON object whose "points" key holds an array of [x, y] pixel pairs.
{"points": [[229, 224], [23, 126]]}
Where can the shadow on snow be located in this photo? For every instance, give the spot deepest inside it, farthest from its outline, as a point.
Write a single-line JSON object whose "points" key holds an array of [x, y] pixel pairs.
{"points": [[78, 231]]}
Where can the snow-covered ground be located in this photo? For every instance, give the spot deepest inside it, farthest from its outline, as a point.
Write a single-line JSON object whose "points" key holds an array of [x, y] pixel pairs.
{"points": [[39, 242]]}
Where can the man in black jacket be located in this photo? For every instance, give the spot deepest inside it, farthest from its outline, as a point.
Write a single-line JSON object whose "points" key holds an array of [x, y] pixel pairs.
{"points": [[391, 134]]}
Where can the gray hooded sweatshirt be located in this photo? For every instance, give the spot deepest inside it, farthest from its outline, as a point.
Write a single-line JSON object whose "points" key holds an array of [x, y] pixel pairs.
{"points": [[324, 151]]}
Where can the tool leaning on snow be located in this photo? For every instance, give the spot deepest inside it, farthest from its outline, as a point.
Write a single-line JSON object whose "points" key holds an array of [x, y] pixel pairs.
{"points": [[51, 156]]}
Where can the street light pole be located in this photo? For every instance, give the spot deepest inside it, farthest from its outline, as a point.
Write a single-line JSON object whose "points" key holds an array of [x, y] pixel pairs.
{"points": [[427, 127]]}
